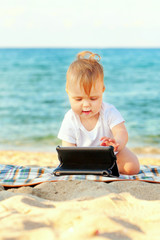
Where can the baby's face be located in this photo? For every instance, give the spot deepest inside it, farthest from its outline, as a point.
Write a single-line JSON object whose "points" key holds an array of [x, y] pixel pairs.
{"points": [[82, 104]]}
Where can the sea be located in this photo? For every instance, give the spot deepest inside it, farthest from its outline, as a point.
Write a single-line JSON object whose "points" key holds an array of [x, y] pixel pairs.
{"points": [[33, 100]]}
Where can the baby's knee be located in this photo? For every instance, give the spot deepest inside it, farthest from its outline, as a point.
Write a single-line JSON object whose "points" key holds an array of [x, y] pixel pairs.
{"points": [[129, 169], [128, 163], [132, 169]]}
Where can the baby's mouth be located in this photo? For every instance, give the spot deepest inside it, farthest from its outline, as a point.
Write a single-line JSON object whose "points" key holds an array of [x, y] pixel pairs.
{"points": [[86, 112]]}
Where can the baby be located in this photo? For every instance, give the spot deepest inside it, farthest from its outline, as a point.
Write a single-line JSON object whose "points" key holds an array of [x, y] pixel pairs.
{"points": [[90, 121]]}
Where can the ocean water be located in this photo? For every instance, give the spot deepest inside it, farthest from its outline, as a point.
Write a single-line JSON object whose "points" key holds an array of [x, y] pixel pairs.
{"points": [[33, 100]]}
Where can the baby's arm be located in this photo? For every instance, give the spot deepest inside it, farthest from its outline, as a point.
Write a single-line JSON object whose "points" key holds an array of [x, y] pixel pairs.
{"points": [[120, 138], [67, 144], [120, 135]]}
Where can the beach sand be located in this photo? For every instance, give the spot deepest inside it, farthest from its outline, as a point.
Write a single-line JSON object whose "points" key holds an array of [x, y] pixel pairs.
{"points": [[79, 209]]}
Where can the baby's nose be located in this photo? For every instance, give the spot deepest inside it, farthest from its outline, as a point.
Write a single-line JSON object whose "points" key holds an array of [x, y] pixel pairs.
{"points": [[85, 103]]}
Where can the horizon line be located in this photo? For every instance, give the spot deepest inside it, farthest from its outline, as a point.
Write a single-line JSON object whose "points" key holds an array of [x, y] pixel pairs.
{"points": [[80, 47]]}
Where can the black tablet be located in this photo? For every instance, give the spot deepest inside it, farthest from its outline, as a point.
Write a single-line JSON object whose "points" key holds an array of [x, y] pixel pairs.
{"points": [[86, 160]]}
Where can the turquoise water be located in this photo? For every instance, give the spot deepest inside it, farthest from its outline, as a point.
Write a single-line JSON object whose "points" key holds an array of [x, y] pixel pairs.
{"points": [[33, 100]]}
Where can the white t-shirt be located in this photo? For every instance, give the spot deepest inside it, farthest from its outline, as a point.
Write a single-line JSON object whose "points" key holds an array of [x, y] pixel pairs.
{"points": [[73, 131]]}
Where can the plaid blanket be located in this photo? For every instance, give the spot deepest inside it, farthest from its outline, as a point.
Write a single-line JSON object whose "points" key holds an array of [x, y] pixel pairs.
{"points": [[16, 176]]}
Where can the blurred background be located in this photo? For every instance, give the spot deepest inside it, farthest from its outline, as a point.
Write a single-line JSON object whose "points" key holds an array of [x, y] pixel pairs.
{"points": [[39, 40]]}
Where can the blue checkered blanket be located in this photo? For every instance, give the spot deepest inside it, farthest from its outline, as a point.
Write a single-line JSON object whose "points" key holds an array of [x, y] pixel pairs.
{"points": [[16, 176]]}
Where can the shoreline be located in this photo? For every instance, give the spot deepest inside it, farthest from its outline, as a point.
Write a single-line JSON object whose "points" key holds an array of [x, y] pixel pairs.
{"points": [[154, 150], [146, 156]]}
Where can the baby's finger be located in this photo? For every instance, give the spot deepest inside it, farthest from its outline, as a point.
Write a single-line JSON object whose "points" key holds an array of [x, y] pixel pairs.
{"points": [[116, 147], [104, 138], [111, 140], [103, 144]]}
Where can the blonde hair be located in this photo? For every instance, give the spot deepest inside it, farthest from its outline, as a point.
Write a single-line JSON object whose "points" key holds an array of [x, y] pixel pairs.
{"points": [[86, 70]]}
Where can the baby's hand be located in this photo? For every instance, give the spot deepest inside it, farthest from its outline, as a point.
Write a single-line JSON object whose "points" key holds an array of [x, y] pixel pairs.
{"points": [[109, 142]]}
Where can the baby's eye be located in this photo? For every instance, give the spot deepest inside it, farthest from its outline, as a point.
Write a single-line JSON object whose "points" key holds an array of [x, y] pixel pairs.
{"points": [[93, 98], [78, 99]]}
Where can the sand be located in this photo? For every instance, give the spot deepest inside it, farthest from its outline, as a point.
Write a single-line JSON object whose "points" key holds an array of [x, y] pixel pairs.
{"points": [[79, 209]]}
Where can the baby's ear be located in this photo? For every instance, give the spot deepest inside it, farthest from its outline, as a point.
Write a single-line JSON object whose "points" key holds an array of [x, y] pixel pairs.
{"points": [[66, 90], [104, 88]]}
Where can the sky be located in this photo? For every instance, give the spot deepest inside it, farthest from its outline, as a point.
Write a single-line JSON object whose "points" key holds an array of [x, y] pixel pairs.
{"points": [[80, 23]]}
